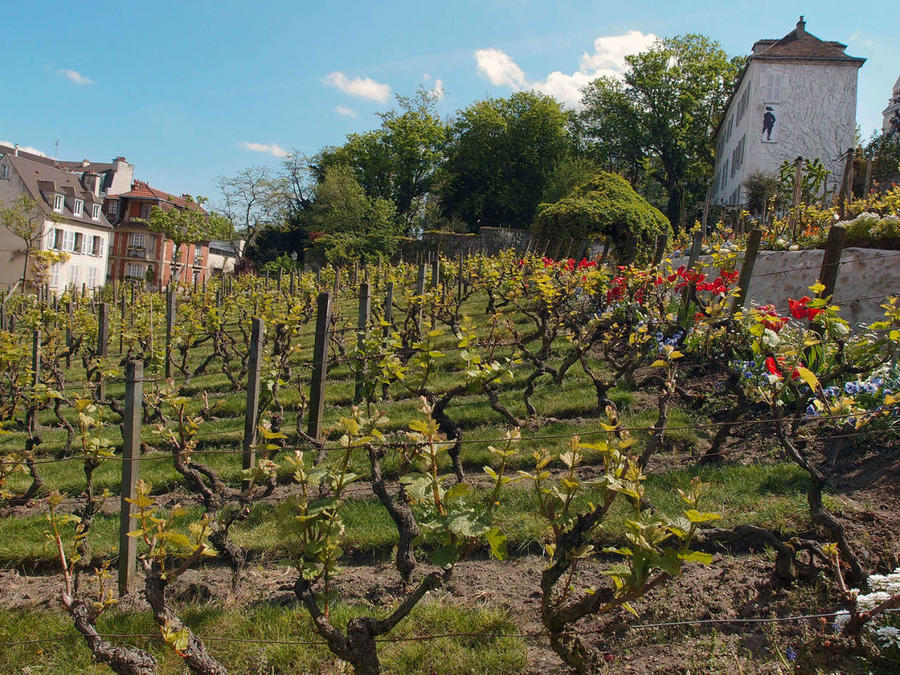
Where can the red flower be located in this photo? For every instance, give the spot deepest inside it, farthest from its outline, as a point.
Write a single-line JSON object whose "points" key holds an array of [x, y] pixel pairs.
{"points": [[799, 310], [771, 367], [772, 321]]}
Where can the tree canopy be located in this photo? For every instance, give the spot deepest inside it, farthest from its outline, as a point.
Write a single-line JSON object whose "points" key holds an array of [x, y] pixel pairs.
{"points": [[500, 155], [661, 117]]}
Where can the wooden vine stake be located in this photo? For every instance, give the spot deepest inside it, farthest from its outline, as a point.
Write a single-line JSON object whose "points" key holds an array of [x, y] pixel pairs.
{"points": [[131, 452], [320, 366], [362, 331], [257, 335]]}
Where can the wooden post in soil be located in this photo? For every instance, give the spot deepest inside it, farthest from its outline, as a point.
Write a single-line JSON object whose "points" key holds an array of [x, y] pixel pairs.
{"points": [[257, 335], [170, 326], [660, 250], [35, 373], [420, 290], [795, 196], [388, 308], [69, 318], [122, 323], [102, 345], [320, 366], [831, 259], [362, 331], [846, 184], [131, 452], [747, 269]]}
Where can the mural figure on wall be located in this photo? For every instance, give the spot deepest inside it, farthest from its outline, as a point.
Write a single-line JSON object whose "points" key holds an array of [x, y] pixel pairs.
{"points": [[769, 133]]}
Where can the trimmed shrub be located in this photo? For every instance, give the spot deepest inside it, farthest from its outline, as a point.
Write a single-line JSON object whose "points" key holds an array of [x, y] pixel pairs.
{"points": [[606, 206]]}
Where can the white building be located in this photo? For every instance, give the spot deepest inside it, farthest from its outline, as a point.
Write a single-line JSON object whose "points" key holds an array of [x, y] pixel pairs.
{"points": [[891, 114], [76, 201], [796, 97]]}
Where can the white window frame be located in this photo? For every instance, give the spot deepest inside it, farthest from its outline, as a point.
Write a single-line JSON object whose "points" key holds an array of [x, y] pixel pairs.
{"points": [[78, 242], [59, 203], [92, 277], [4, 171], [68, 241], [78, 208], [137, 240], [135, 271], [54, 275], [95, 212]]}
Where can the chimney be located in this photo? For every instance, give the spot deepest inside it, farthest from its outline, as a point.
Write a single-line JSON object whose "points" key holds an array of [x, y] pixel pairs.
{"points": [[17, 149], [85, 162], [801, 27]]}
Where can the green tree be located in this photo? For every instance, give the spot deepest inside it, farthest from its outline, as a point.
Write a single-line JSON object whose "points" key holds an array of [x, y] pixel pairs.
{"points": [[350, 224], [500, 156], [398, 161], [188, 225], [253, 199], [661, 117], [25, 219]]}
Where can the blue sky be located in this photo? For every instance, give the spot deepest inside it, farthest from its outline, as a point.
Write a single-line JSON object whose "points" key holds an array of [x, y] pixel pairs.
{"points": [[194, 89]]}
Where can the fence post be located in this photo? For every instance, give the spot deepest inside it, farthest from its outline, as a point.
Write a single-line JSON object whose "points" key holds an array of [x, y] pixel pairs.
{"points": [[35, 373], [661, 240], [69, 335], [103, 329], [747, 269], [831, 260], [122, 323], [320, 366], [362, 331], [170, 325], [293, 283], [131, 451], [280, 275], [388, 308], [435, 271], [420, 290], [337, 281], [253, 377]]}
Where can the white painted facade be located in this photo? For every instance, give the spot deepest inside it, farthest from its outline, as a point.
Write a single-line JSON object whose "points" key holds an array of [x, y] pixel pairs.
{"points": [[811, 104], [85, 238]]}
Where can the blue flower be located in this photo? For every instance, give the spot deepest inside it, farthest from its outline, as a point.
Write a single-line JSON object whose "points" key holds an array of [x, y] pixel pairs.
{"points": [[791, 654], [851, 388], [811, 411]]}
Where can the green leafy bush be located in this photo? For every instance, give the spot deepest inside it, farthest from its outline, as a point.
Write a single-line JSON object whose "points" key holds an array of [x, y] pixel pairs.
{"points": [[606, 205]]}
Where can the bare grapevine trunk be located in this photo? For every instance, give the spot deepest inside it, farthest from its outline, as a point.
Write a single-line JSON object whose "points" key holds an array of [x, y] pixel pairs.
{"points": [[194, 654], [122, 660], [401, 514]]}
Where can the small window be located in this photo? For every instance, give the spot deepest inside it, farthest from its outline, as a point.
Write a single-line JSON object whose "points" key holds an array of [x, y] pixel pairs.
{"points": [[54, 275], [97, 246], [78, 246], [134, 271], [145, 209], [4, 171], [78, 209], [92, 277], [73, 275], [68, 241], [57, 240], [112, 208], [59, 203], [95, 212], [136, 240], [198, 251]]}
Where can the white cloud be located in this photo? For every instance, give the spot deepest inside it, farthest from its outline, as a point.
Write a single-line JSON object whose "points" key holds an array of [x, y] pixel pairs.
{"points": [[271, 148], [24, 148], [346, 112], [499, 69], [610, 51], [438, 90], [361, 87], [74, 76], [608, 58]]}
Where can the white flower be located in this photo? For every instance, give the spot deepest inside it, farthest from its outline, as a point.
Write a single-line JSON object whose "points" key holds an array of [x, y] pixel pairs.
{"points": [[888, 636], [886, 583], [870, 601], [841, 618]]}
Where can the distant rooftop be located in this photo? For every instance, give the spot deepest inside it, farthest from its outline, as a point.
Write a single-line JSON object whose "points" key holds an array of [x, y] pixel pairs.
{"points": [[800, 45]]}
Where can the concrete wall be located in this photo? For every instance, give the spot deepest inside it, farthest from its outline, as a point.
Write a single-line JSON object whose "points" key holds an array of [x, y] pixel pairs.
{"points": [[866, 276], [490, 239]]}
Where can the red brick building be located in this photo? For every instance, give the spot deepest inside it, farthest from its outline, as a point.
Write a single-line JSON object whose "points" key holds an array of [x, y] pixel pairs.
{"points": [[140, 254]]}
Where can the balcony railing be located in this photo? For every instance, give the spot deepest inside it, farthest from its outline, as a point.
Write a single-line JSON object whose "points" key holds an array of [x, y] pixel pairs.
{"points": [[136, 252]]}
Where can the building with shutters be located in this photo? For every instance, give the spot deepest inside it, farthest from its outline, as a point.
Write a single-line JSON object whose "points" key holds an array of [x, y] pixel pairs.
{"points": [[69, 211], [796, 97], [140, 255]]}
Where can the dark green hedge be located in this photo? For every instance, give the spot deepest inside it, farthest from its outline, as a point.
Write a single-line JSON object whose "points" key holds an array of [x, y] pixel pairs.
{"points": [[606, 205]]}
